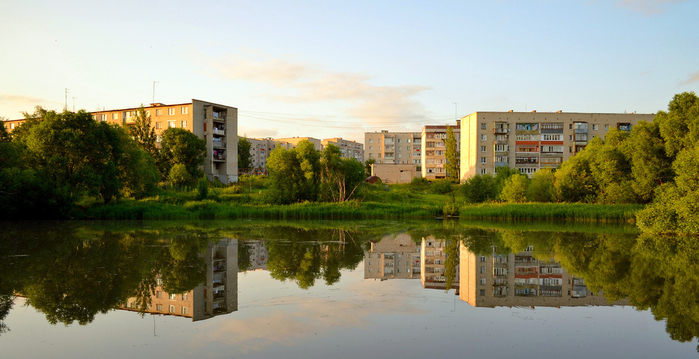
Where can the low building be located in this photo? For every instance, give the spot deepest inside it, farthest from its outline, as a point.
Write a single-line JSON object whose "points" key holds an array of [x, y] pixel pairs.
{"points": [[394, 173], [393, 147]]}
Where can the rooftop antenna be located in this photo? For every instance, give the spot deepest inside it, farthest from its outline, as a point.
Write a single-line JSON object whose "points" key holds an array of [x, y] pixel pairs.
{"points": [[154, 82], [65, 107], [74, 103]]}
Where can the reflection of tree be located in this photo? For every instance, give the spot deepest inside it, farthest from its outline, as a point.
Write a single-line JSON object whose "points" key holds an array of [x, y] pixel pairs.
{"points": [[182, 268], [6, 302], [244, 260]]}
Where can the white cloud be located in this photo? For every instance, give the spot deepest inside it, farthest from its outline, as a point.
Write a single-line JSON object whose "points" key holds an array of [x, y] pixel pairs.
{"points": [[648, 7], [19, 103], [691, 79], [360, 101]]}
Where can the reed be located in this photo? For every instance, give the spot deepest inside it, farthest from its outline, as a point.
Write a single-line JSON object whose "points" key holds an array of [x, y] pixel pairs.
{"points": [[553, 211]]}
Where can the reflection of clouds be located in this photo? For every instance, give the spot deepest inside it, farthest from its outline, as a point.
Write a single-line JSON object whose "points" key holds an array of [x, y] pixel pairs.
{"points": [[289, 320], [647, 6]]}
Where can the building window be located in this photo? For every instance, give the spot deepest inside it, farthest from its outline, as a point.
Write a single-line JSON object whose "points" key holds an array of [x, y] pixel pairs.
{"points": [[570, 149], [173, 296], [483, 149], [484, 171], [185, 310], [115, 116], [594, 127], [408, 140], [148, 113], [159, 112], [184, 110], [170, 111], [103, 117], [370, 140], [570, 126], [482, 258], [606, 127], [158, 294], [185, 296], [484, 159], [484, 137], [171, 309], [379, 140], [158, 138], [399, 140], [183, 123], [171, 124], [482, 280], [159, 307], [483, 125], [482, 269]]}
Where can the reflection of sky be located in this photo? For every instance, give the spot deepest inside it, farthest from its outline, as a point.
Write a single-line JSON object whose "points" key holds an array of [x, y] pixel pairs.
{"points": [[354, 318]]}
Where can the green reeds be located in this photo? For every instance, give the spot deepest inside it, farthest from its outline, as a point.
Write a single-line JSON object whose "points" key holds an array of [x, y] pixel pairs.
{"points": [[554, 211]]}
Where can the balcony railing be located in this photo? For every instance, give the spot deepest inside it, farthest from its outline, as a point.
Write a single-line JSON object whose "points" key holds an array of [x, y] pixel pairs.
{"points": [[219, 145], [219, 132]]}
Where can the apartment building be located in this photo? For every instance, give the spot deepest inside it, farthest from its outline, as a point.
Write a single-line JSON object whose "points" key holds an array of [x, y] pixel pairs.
{"points": [[349, 148], [522, 279], [393, 147], [433, 270], [260, 148], [294, 141], [434, 146], [529, 141], [216, 296], [393, 258], [216, 124]]}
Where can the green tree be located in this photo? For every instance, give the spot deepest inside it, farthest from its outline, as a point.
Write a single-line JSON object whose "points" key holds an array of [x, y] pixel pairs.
{"points": [[179, 176], [479, 188], [574, 180], [542, 186], [244, 155], [452, 154], [294, 174], [340, 177], [515, 189], [650, 165], [180, 146], [143, 133]]}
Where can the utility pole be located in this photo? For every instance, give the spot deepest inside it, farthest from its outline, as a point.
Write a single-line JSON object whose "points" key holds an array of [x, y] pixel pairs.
{"points": [[65, 107]]}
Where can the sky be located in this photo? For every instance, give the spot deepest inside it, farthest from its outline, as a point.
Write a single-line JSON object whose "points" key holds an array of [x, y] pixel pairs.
{"points": [[339, 69]]}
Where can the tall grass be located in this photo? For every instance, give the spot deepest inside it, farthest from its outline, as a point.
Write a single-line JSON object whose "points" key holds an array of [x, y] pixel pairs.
{"points": [[554, 211]]}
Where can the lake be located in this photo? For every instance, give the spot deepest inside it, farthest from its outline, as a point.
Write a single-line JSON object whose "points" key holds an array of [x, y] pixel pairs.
{"points": [[339, 289]]}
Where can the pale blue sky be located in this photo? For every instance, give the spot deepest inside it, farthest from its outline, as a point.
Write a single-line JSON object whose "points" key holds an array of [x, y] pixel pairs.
{"points": [[328, 69]]}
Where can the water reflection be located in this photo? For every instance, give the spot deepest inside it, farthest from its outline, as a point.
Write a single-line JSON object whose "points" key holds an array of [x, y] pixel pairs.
{"points": [[72, 273]]}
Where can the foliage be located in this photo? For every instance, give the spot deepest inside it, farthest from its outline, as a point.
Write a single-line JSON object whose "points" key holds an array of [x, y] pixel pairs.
{"points": [[244, 154], [480, 188], [340, 177], [419, 184], [180, 146], [452, 156], [179, 176], [542, 186], [515, 189], [441, 186], [294, 174], [202, 189], [143, 133]]}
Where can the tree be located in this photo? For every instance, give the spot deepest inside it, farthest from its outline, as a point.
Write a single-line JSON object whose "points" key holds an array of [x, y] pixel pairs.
{"points": [[294, 174], [244, 155], [650, 165], [180, 146], [542, 186], [143, 133], [452, 154], [479, 188], [515, 189], [179, 176], [340, 176]]}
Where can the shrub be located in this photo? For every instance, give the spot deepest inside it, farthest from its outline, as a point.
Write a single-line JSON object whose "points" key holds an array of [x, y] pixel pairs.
{"points": [[441, 186], [202, 188], [179, 176]]}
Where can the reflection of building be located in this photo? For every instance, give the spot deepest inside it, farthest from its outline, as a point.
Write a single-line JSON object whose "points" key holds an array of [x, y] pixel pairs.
{"points": [[217, 295], [521, 280], [433, 269], [258, 254], [392, 258]]}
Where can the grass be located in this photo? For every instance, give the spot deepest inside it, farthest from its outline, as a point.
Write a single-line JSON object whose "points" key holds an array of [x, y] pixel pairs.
{"points": [[553, 211]]}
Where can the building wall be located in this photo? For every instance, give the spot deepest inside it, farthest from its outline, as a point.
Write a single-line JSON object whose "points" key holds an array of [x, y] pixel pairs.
{"points": [[350, 149], [294, 141], [390, 173], [393, 258], [529, 141], [393, 147], [434, 157]]}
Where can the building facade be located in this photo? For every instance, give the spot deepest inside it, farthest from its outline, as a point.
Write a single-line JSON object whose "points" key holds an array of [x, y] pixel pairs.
{"points": [[294, 141], [529, 141], [393, 147], [434, 159], [260, 148], [214, 123], [393, 258], [349, 149]]}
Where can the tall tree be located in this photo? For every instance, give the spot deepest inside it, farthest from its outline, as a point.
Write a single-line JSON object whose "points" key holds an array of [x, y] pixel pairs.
{"points": [[452, 153], [340, 176], [143, 133], [244, 155], [180, 146]]}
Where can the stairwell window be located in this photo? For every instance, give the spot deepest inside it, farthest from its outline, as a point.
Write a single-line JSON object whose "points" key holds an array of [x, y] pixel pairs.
{"points": [[170, 111]]}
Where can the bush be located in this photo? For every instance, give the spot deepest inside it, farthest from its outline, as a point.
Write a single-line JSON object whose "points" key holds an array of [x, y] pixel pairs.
{"points": [[419, 184], [179, 176], [202, 188], [441, 186]]}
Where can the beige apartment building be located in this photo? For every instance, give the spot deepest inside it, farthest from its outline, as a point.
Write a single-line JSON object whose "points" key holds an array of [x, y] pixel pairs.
{"points": [[216, 124], [433, 265], [434, 146], [349, 148], [393, 147], [260, 148], [393, 258], [529, 141], [521, 279]]}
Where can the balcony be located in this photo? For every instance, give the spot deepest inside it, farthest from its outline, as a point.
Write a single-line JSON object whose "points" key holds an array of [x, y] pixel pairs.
{"points": [[219, 132], [218, 144], [220, 158]]}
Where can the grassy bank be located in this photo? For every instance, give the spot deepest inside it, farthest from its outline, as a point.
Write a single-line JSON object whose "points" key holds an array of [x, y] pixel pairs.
{"points": [[149, 209], [553, 211]]}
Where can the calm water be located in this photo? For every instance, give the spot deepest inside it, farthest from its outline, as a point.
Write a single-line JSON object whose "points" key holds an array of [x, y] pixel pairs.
{"points": [[344, 290]]}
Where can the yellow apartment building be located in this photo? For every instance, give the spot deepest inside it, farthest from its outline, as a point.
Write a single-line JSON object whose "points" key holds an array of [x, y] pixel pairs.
{"points": [[434, 147], [529, 141]]}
